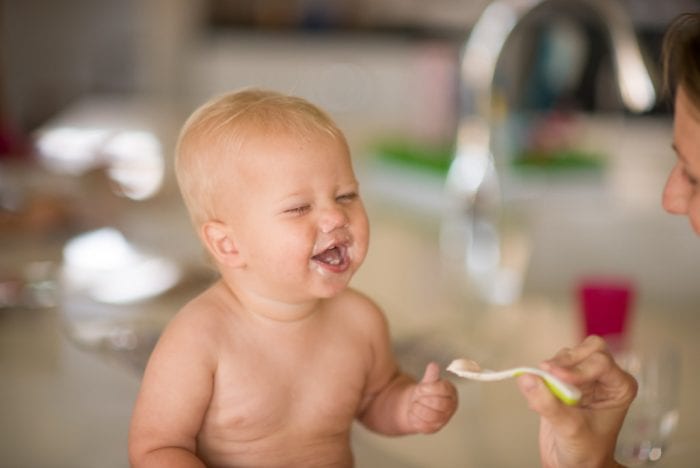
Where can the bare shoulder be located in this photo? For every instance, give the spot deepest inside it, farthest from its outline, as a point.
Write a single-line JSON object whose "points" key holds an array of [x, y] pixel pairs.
{"points": [[198, 325], [360, 310], [205, 309]]}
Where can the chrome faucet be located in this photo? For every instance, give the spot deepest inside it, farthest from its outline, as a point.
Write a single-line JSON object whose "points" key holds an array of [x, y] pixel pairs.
{"points": [[471, 234]]}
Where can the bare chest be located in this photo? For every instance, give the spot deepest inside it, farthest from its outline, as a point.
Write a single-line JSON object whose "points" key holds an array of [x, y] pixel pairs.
{"points": [[306, 393]]}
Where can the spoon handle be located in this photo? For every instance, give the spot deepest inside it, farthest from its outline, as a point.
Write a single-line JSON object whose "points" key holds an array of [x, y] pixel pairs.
{"points": [[486, 375], [568, 394]]}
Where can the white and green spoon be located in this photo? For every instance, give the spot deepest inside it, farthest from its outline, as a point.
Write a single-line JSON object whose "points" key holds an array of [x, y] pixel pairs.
{"points": [[469, 369]]}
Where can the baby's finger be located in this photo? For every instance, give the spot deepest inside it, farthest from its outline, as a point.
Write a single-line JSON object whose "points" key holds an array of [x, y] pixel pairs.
{"points": [[437, 403], [426, 419], [424, 427], [440, 387], [431, 374]]}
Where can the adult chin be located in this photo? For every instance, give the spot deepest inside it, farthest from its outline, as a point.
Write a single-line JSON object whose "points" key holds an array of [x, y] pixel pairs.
{"points": [[695, 223]]}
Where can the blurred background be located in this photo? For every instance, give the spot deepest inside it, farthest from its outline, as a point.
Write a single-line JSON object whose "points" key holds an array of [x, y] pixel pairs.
{"points": [[509, 153]]}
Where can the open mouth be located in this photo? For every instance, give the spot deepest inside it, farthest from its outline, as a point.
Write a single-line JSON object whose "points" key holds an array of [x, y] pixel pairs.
{"points": [[334, 258]]}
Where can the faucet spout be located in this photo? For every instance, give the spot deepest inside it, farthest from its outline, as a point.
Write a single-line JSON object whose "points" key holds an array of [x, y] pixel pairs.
{"points": [[471, 234], [488, 38]]}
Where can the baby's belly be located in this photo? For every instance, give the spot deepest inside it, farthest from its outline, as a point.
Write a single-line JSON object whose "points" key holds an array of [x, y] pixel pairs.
{"points": [[288, 448]]}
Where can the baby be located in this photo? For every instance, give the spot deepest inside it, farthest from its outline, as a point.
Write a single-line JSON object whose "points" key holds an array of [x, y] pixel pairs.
{"points": [[271, 365]]}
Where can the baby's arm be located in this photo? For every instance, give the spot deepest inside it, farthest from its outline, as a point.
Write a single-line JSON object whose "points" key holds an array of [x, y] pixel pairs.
{"points": [[174, 395], [394, 403]]}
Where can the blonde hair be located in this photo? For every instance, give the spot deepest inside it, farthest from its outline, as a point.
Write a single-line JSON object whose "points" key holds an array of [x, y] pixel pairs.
{"points": [[217, 129]]}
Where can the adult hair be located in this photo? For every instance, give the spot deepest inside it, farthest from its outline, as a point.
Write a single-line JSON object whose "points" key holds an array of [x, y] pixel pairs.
{"points": [[681, 57], [217, 130]]}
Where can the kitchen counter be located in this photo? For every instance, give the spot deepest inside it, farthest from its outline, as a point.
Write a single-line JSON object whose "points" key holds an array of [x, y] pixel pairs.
{"points": [[431, 321], [66, 399], [71, 371], [62, 406]]}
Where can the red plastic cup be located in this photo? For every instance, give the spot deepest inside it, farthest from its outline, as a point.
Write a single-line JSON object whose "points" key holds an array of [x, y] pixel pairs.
{"points": [[605, 306]]}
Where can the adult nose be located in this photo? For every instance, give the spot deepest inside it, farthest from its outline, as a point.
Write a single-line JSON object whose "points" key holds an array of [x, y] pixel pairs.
{"points": [[676, 192]]}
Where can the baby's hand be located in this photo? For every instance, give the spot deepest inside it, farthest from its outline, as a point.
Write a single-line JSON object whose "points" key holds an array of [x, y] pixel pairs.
{"points": [[433, 402]]}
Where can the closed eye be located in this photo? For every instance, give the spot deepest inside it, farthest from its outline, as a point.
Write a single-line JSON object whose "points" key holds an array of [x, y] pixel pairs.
{"points": [[298, 209], [347, 197]]}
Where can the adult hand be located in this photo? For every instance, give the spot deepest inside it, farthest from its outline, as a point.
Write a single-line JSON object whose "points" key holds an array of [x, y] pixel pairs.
{"points": [[583, 435]]}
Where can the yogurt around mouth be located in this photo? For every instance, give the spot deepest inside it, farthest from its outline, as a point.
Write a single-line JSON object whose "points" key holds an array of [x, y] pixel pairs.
{"points": [[334, 259]]}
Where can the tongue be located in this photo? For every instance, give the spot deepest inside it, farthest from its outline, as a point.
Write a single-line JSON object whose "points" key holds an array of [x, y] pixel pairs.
{"points": [[330, 256]]}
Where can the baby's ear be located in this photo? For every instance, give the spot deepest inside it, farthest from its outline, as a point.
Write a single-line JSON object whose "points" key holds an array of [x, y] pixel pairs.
{"points": [[220, 243]]}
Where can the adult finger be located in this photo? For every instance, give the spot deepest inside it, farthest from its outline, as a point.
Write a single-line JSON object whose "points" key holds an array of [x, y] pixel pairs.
{"points": [[569, 357], [540, 399]]}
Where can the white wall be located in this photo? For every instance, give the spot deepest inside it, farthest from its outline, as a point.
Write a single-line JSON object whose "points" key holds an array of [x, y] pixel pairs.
{"points": [[52, 52]]}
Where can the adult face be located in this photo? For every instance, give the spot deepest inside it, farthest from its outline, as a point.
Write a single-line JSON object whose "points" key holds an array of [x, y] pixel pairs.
{"points": [[682, 192]]}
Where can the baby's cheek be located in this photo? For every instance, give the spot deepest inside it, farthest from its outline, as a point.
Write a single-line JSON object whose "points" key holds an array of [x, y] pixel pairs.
{"points": [[360, 245]]}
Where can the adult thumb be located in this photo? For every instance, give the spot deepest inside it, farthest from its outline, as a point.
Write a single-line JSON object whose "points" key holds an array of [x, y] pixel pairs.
{"points": [[541, 400]]}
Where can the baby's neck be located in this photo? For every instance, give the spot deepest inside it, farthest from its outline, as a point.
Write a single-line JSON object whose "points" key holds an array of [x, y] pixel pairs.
{"points": [[270, 310]]}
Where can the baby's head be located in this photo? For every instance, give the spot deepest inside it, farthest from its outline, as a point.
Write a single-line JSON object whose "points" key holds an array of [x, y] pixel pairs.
{"points": [[268, 181], [215, 133]]}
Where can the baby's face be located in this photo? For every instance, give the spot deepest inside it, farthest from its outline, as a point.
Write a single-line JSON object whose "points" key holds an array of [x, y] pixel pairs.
{"points": [[297, 216], [682, 192]]}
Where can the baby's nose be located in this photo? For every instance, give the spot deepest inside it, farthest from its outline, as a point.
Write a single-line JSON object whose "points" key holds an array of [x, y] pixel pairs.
{"points": [[332, 218]]}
